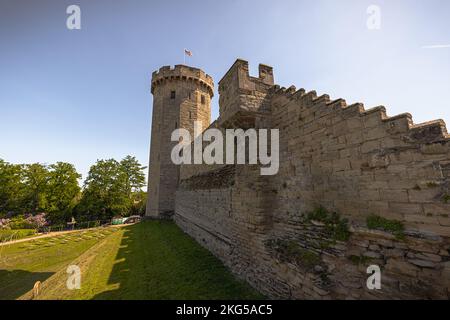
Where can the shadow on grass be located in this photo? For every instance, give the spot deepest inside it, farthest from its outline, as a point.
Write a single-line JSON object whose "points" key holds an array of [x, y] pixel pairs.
{"points": [[156, 260], [122, 267], [15, 283]]}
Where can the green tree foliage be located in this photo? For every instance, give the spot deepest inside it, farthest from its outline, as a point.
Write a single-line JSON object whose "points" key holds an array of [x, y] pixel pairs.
{"points": [[11, 187], [135, 178], [62, 191], [35, 177], [111, 188], [139, 199], [34, 188], [104, 191]]}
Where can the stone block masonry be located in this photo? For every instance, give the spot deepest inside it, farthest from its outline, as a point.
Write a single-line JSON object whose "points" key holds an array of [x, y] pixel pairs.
{"points": [[341, 158]]}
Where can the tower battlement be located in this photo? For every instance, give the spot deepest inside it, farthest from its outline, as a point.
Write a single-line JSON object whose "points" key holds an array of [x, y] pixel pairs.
{"points": [[239, 92], [239, 72], [184, 73]]}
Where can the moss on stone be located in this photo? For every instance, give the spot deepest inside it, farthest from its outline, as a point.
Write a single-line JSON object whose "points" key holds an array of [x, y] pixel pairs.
{"points": [[325, 244], [432, 184], [291, 251], [395, 227], [446, 198], [336, 226]]}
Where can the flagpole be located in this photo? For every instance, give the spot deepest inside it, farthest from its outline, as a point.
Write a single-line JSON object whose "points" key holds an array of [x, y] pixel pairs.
{"points": [[184, 56]]}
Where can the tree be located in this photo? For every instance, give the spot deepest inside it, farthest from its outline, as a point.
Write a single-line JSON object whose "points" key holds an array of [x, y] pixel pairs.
{"points": [[35, 177], [104, 191], [111, 188], [11, 187], [135, 178], [139, 203], [62, 191]]}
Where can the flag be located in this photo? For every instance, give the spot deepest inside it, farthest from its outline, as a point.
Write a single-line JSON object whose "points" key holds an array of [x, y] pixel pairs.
{"points": [[187, 52]]}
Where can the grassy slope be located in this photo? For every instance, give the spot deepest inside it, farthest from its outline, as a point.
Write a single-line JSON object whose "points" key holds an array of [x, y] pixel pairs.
{"points": [[22, 264], [150, 260]]}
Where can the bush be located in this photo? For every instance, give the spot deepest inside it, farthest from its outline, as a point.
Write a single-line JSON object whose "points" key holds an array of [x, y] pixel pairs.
{"points": [[20, 222], [37, 221], [28, 222]]}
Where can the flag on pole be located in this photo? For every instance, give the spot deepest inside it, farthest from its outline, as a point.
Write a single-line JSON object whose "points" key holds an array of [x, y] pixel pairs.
{"points": [[187, 52]]}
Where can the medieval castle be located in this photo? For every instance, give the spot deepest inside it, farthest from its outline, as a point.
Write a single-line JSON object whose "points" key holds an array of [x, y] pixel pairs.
{"points": [[355, 188]]}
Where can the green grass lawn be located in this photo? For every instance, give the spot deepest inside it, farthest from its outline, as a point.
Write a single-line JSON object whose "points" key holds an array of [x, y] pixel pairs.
{"points": [[22, 264], [149, 260]]}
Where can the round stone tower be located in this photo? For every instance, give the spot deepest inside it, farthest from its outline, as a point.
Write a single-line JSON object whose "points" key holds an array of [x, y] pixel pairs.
{"points": [[181, 95]]}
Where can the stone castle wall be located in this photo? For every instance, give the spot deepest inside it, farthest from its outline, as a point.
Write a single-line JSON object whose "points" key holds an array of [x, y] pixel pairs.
{"points": [[344, 159]]}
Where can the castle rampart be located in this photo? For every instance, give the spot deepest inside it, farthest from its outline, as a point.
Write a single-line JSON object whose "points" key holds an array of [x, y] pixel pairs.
{"points": [[386, 178]]}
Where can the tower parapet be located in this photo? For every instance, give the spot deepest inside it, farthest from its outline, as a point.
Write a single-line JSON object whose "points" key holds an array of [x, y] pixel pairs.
{"points": [[183, 73], [244, 96]]}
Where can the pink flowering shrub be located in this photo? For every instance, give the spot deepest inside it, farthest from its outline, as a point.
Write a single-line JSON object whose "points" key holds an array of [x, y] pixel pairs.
{"points": [[28, 221], [4, 223], [37, 221]]}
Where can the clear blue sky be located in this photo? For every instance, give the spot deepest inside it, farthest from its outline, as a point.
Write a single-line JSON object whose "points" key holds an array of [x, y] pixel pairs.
{"points": [[83, 95]]}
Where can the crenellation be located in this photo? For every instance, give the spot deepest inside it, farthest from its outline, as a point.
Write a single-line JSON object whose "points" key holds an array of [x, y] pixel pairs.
{"points": [[299, 93], [291, 90], [182, 73], [310, 96], [322, 100], [428, 132], [266, 74]]}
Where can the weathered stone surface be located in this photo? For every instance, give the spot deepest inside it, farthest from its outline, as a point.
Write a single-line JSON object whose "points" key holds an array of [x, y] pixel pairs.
{"points": [[422, 263], [371, 254], [425, 256], [402, 267], [346, 159], [394, 253]]}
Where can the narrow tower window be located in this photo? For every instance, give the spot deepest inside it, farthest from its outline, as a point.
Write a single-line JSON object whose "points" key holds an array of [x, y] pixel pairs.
{"points": [[172, 94], [203, 100]]}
